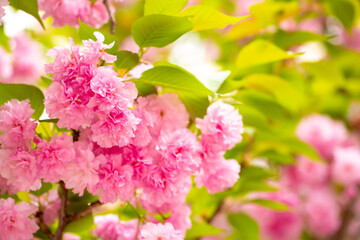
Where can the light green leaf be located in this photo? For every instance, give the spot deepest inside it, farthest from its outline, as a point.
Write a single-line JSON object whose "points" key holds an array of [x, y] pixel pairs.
{"points": [[86, 32], [204, 17], [252, 116], [4, 40], [196, 104], [166, 7], [22, 92], [287, 39], [246, 227], [159, 30], [278, 206], [126, 60], [283, 91], [175, 78], [200, 229], [260, 52], [344, 10], [144, 89], [24, 196], [81, 225], [28, 6]]}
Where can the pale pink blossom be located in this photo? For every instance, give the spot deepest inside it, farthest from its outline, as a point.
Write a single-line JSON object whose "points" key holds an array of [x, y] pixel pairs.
{"points": [[322, 133], [53, 157], [346, 166], [14, 220], [28, 63], [218, 176], [109, 227], [137, 71], [3, 3], [151, 231], [6, 69], [16, 125], [96, 49], [51, 212]]}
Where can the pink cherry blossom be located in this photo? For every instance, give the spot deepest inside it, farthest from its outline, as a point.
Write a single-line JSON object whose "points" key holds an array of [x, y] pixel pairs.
{"points": [[221, 128], [218, 176], [28, 63], [14, 220], [96, 49], [3, 3], [322, 133], [82, 173], [20, 169], [322, 212], [17, 128], [115, 180], [6, 69], [346, 166], [151, 231], [54, 156], [109, 227]]}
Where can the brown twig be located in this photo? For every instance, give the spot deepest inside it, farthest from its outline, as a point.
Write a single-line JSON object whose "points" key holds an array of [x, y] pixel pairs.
{"points": [[39, 215], [84, 213], [111, 18], [62, 212]]}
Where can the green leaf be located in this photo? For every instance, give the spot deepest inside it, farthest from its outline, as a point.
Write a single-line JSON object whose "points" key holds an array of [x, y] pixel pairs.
{"points": [[28, 6], [196, 104], [86, 32], [204, 17], [126, 60], [200, 229], [285, 39], [159, 30], [4, 40], [260, 52], [144, 89], [252, 116], [22, 92], [174, 77], [81, 225], [343, 10], [166, 7], [276, 157], [24, 196], [278, 206], [246, 227], [45, 187], [279, 88]]}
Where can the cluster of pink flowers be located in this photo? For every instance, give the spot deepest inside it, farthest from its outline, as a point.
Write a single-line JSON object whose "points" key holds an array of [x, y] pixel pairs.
{"points": [[128, 148], [25, 62], [67, 12], [3, 3]]}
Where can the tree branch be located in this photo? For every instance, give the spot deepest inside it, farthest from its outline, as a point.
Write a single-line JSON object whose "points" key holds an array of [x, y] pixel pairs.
{"points": [[111, 18], [39, 215], [62, 212], [84, 213]]}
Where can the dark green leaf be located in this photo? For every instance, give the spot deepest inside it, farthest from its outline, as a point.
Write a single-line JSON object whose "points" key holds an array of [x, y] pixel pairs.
{"points": [[86, 32], [28, 6], [159, 30], [126, 60], [22, 92]]}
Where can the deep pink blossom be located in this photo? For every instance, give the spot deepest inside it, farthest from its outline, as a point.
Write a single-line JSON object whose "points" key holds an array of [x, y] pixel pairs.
{"points": [[14, 220], [151, 231]]}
